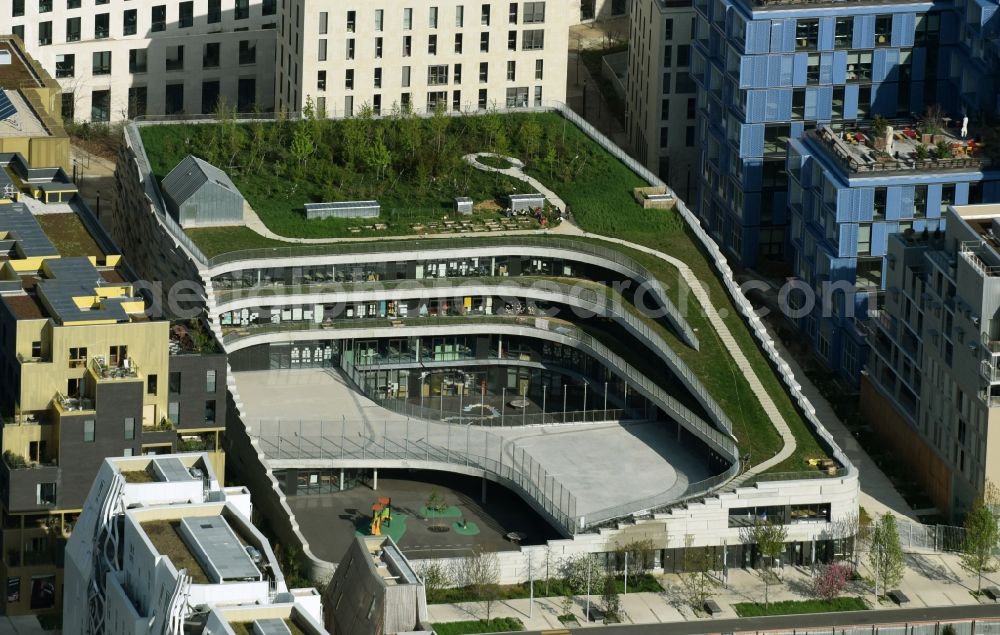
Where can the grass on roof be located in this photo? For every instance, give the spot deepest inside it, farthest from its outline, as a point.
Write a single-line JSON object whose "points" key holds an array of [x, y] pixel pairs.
{"points": [[168, 542], [138, 476], [598, 189], [69, 235]]}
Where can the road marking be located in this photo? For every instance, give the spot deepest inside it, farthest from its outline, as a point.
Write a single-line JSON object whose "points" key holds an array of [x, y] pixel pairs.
{"points": [[558, 632]]}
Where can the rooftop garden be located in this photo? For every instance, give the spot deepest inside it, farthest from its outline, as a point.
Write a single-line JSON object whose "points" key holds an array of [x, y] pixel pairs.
{"points": [[69, 235], [167, 541], [595, 186]]}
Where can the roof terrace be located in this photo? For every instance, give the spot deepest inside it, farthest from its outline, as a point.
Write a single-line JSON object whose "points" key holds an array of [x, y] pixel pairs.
{"points": [[900, 146]]}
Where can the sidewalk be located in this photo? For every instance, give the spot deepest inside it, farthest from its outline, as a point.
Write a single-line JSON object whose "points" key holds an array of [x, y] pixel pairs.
{"points": [[929, 581]]}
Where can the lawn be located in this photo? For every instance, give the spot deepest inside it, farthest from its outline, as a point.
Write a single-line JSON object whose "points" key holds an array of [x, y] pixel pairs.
{"points": [[794, 607], [555, 587], [596, 187], [68, 234], [495, 625]]}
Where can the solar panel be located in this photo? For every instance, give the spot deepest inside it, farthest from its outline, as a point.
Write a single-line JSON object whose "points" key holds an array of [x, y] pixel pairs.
{"points": [[7, 109]]}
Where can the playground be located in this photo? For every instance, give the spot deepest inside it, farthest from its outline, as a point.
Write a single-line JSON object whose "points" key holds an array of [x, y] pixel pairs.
{"points": [[428, 515]]}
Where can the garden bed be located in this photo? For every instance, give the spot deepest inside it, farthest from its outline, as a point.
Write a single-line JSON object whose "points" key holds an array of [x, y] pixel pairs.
{"points": [[795, 607], [495, 625]]}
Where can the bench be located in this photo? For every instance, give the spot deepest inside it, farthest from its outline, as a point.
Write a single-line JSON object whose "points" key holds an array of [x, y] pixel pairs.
{"points": [[712, 608], [595, 614], [992, 593], [898, 597]]}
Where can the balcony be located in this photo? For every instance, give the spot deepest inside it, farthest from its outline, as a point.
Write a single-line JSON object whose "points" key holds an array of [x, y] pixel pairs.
{"points": [[102, 371], [989, 370], [29, 486], [75, 405]]}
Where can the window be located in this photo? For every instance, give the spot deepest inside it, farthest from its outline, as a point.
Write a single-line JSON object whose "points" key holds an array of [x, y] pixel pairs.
{"points": [[152, 385], [458, 42], [511, 40], [881, 195], [173, 99], [407, 19], [175, 58], [185, 14], [668, 56], [864, 239], [920, 200], [18, 30], [174, 412], [665, 109], [668, 29], [379, 16], [65, 65], [159, 22], [36, 349], [684, 83], [947, 196], [457, 74], [511, 70], [664, 136], [130, 22], [210, 56], [484, 42], [689, 137], [666, 83], [432, 19], [136, 101], [437, 75], [242, 9], [883, 30], [456, 100], [407, 45], [351, 20], [807, 34], [17, 8], [45, 494], [378, 48], [812, 68], [436, 99], [324, 22], [175, 383], [927, 28], [534, 12], [837, 107], [539, 69], [248, 52], [44, 6], [512, 13], [432, 44], [78, 357], [859, 66], [269, 7], [538, 96], [209, 95], [321, 80], [68, 106], [517, 97], [44, 33], [460, 16], [683, 55], [89, 432], [349, 79], [484, 72], [532, 40], [406, 77], [73, 30], [129, 428], [350, 48], [843, 35], [798, 103], [210, 411], [484, 16], [481, 101], [214, 11], [378, 78], [137, 61]]}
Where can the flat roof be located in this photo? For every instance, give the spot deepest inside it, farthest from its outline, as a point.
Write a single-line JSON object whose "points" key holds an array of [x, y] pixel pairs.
{"points": [[20, 225], [214, 543], [171, 470], [272, 626]]}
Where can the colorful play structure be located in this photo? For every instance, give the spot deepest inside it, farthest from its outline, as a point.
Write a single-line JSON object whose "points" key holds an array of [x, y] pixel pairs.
{"points": [[381, 515]]}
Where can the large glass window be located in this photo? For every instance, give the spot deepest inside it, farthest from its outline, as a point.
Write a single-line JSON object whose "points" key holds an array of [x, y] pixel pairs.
{"points": [[807, 34], [844, 32], [883, 30]]}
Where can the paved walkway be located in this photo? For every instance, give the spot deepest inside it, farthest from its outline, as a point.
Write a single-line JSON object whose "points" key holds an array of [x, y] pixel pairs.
{"points": [[930, 581]]}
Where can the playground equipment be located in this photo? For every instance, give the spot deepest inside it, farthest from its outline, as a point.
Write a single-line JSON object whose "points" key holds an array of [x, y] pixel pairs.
{"points": [[381, 515]]}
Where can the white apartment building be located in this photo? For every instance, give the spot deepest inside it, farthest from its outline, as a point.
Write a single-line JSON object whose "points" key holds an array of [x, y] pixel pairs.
{"points": [[462, 55], [660, 97], [932, 384], [161, 547], [117, 59]]}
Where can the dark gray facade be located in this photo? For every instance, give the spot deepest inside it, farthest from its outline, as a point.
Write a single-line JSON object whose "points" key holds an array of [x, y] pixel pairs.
{"points": [[202, 383]]}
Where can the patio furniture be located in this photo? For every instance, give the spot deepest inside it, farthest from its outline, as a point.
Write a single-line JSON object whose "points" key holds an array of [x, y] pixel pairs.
{"points": [[898, 597]]}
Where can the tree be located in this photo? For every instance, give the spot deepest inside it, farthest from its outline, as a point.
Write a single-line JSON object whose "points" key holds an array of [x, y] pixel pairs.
{"points": [[435, 577], [698, 581], [530, 138], [579, 570], [885, 556], [981, 540], [377, 155], [480, 573], [637, 553], [769, 537], [302, 144], [831, 580], [610, 600]]}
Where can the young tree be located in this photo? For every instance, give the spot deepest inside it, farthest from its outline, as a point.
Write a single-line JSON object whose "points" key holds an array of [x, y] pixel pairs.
{"points": [[982, 537], [480, 572], [831, 580], [435, 577], [610, 600], [885, 554], [698, 581], [303, 145], [769, 537]]}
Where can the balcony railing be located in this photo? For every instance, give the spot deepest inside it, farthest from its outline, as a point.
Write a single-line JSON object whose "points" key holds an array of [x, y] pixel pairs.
{"points": [[990, 371], [970, 250], [105, 372], [73, 404]]}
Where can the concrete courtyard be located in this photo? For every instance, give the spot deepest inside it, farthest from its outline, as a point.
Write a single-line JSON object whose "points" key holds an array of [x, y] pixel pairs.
{"points": [[587, 459]]}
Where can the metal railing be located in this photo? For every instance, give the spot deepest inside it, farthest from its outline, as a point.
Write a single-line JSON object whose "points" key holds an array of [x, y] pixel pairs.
{"points": [[415, 440], [104, 371], [632, 268], [600, 302]]}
